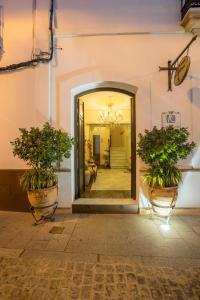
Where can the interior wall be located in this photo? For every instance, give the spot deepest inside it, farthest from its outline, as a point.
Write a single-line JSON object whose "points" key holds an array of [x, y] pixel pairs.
{"points": [[104, 133], [117, 137]]}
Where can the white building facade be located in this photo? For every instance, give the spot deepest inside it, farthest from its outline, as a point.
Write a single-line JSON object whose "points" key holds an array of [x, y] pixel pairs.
{"points": [[103, 42]]}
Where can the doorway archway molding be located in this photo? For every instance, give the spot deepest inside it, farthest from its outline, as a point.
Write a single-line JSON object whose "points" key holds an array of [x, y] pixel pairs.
{"points": [[88, 88], [104, 85]]}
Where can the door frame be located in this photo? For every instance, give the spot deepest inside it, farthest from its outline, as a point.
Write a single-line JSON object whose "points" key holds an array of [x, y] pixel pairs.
{"points": [[133, 134]]}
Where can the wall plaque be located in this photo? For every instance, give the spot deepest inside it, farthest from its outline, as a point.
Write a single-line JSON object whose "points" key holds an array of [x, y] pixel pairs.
{"points": [[171, 118]]}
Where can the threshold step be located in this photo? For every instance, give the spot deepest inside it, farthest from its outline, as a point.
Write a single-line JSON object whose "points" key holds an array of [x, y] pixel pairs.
{"points": [[105, 206]]}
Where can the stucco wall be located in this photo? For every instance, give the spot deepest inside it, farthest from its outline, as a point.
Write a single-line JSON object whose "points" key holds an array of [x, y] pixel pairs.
{"points": [[126, 59], [129, 59], [117, 15], [17, 93]]}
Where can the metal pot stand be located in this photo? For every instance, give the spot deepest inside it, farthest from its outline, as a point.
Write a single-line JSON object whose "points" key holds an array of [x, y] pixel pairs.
{"points": [[43, 218]]}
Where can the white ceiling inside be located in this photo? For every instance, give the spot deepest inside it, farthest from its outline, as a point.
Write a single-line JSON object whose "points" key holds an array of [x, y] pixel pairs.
{"points": [[99, 100]]}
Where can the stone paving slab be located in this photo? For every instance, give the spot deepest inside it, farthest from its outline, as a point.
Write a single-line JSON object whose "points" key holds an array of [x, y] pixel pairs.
{"points": [[5, 252], [32, 279], [60, 255], [115, 257]]}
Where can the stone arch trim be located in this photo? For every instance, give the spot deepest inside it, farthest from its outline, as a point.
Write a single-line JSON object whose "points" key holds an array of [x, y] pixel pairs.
{"points": [[120, 87], [106, 85]]}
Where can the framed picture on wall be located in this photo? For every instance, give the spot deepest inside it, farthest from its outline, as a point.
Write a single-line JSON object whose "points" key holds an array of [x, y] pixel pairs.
{"points": [[171, 118]]}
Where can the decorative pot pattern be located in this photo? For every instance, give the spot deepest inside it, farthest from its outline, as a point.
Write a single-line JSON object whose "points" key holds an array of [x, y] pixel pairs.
{"points": [[163, 200], [43, 201]]}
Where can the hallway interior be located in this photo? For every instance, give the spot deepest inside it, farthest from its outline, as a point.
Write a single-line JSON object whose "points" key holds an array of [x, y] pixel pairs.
{"points": [[105, 134]]}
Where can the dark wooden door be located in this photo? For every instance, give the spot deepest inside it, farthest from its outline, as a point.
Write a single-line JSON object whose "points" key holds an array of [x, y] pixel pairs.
{"points": [[80, 148], [133, 149]]}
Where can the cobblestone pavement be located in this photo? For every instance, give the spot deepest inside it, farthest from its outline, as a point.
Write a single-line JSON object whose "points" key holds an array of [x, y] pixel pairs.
{"points": [[99, 257], [42, 279]]}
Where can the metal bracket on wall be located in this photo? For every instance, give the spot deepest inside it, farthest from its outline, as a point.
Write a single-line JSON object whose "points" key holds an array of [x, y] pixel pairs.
{"points": [[172, 65]]}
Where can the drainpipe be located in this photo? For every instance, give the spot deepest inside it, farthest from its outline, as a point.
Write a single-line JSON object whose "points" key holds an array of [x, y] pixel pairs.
{"points": [[151, 108], [50, 97]]}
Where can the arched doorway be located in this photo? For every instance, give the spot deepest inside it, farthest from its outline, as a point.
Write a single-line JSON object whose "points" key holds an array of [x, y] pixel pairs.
{"points": [[123, 89]]}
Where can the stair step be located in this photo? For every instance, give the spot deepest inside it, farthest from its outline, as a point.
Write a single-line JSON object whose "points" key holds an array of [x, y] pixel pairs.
{"points": [[119, 167], [118, 155], [105, 206], [117, 150], [118, 158], [119, 162], [116, 163]]}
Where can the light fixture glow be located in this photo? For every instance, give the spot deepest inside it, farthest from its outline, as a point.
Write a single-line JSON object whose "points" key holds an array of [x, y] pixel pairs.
{"points": [[110, 116], [165, 227]]}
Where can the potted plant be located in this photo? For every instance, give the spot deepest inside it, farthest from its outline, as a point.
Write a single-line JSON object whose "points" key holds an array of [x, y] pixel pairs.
{"points": [[160, 150], [41, 149]]}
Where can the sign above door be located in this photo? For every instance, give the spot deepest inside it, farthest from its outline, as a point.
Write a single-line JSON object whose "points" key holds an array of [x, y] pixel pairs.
{"points": [[181, 69]]}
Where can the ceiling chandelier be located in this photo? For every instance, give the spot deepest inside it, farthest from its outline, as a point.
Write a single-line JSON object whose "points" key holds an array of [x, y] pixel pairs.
{"points": [[110, 116]]}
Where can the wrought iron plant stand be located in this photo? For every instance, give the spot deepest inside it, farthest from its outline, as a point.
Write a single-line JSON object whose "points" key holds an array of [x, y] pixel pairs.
{"points": [[43, 218]]}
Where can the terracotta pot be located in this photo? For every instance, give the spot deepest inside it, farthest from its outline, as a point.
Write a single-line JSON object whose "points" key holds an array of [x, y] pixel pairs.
{"points": [[163, 200], [43, 201]]}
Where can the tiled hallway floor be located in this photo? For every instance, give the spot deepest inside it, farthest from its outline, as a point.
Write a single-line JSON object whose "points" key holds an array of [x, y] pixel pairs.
{"points": [[112, 179], [99, 257]]}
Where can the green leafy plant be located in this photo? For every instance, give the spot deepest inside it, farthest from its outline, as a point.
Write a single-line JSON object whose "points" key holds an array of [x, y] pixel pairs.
{"points": [[40, 149], [161, 149], [37, 179]]}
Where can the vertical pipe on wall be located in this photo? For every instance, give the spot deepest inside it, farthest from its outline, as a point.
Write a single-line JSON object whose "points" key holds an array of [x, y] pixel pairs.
{"points": [[1, 31], [50, 66], [34, 16], [191, 109], [50, 98], [150, 100]]}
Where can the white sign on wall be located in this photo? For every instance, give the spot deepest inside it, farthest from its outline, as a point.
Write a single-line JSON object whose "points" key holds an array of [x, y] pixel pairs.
{"points": [[171, 118]]}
